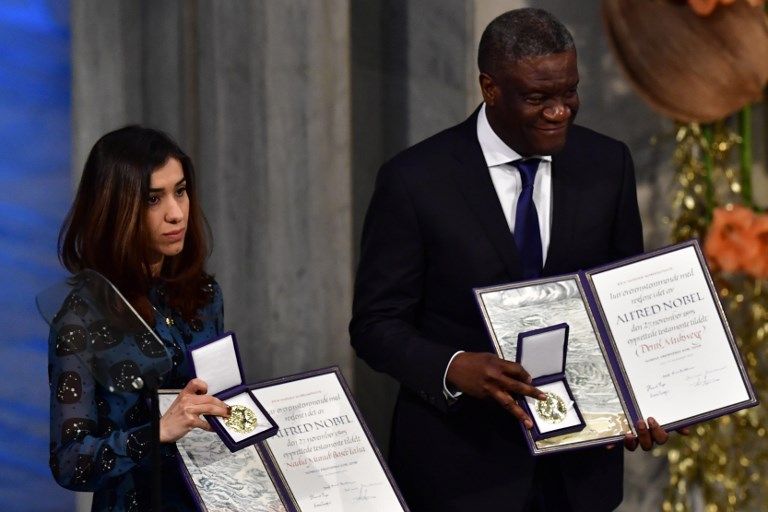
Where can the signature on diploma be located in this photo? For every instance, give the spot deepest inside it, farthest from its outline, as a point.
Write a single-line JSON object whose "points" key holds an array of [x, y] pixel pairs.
{"points": [[328, 487], [656, 390], [320, 499], [353, 490], [365, 492], [705, 378]]}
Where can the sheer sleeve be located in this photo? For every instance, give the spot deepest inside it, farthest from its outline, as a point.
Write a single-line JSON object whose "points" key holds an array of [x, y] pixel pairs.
{"points": [[87, 446]]}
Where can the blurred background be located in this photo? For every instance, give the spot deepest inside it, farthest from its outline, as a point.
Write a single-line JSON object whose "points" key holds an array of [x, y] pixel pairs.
{"points": [[288, 107]]}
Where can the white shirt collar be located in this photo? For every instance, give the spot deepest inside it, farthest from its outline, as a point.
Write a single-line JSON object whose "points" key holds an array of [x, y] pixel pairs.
{"points": [[495, 151]]}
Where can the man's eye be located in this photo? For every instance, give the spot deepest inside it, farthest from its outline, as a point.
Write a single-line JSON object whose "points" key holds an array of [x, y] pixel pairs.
{"points": [[534, 99], [571, 93]]}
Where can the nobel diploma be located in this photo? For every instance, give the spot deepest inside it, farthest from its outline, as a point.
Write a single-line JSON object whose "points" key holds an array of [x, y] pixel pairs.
{"points": [[322, 451], [672, 341]]}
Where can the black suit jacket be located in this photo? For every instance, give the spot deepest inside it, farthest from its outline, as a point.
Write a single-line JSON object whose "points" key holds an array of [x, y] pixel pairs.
{"points": [[434, 231]]}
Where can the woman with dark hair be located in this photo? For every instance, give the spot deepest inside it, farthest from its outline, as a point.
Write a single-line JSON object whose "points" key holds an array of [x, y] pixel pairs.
{"points": [[137, 221]]}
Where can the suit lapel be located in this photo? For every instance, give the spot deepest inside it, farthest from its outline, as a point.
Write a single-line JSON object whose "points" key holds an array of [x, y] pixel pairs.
{"points": [[564, 213], [475, 184]]}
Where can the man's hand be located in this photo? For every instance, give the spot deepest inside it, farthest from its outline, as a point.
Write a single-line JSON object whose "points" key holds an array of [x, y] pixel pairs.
{"points": [[484, 375], [647, 437], [184, 413]]}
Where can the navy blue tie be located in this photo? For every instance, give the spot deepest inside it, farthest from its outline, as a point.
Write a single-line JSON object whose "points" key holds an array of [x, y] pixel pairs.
{"points": [[527, 234]]}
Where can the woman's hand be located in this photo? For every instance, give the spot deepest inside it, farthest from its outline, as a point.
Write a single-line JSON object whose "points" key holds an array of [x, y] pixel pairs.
{"points": [[184, 413]]}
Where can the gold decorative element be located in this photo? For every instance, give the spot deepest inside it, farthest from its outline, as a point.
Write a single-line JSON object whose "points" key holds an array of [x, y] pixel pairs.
{"points": [[598, 424], [703, 158], [241, 419], [552, 409], [726, 458], [724, 461], [168, 320]]}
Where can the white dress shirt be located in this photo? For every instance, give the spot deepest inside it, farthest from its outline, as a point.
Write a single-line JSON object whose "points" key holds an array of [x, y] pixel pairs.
{"points": [[508, 184]]}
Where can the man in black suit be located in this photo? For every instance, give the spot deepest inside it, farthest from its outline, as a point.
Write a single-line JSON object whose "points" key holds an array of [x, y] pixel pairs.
{"points": [[514, 192]]}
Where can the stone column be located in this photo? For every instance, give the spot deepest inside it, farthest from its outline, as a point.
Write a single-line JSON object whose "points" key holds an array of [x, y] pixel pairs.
{"points": [[106, 78], [274, 158]]}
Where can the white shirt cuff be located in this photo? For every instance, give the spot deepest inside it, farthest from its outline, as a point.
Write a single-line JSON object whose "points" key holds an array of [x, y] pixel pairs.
{"points": [[451, 396]]}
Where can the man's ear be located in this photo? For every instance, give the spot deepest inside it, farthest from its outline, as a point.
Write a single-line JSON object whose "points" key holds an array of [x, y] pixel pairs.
{"points": [[489, 89]]}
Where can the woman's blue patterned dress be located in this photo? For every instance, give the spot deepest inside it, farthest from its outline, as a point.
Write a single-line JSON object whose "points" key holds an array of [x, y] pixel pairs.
{"points": [[101, 439]]}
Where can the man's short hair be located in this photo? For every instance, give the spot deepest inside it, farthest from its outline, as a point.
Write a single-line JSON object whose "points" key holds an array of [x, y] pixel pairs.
{"points": [[521, 33]]}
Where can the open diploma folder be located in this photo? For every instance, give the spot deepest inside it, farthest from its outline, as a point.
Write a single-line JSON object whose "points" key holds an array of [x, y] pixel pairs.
{"points": [[322, 458], [648, 337]]}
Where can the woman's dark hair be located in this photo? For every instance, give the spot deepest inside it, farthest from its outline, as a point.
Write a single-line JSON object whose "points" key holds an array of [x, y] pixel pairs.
{"points": [[105, 229]]}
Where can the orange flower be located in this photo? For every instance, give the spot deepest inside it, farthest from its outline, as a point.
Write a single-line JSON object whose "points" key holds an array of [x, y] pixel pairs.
{"points": [[703, 7], [706, 7], [725, 243], [755, 258]]}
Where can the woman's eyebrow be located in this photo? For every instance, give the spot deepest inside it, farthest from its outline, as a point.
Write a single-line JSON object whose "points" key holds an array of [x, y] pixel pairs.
{"points": [[180, 182]]}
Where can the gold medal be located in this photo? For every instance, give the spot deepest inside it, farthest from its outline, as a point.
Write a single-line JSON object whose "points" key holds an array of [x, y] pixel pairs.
{"points": [[552, 408], [241, 419]]}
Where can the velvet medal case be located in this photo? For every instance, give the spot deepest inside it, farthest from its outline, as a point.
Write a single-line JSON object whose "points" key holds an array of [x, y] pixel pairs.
{"points": [[542, 352], [218, 363]]}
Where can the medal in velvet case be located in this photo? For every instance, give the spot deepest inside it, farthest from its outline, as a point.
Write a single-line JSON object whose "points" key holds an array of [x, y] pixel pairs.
{"points": [[542, 352], [217, 362]]}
